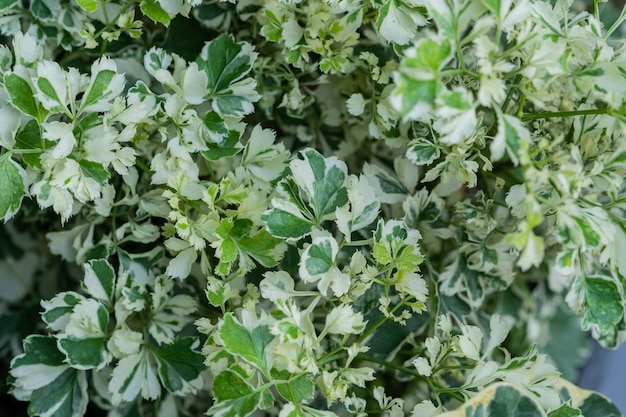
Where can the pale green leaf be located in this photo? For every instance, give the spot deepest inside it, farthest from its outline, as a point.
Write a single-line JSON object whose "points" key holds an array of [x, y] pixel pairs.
{"points": [[235, 397], [89, 6], [154, 11], [250, 345], [12, 186], [298, 388], [511, 134], [603, 302]]}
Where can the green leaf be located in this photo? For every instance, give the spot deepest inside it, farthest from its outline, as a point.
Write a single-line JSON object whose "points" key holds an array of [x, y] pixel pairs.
{"points": [[250, 345], [261, 247], [235, 105], [39, 350], [83, 354], [99, 87], [494, 6], [134, 374], [89, 6], [511, 133], [596, 405], [180, 366], [323, 180], [40, 10], [57, 311], [590, 403], [444, 17], [53, 388], [65, 397], [498, 400], [46, 88], [298, 389], [22, 96], [100, 251], [603, 302], [565, 411], [100, 280], [225, 61], [7, 4], [154, 11], [29, 139], [422, 152], [283, 224], [429, 54], [418, 96], [229, 147], [216, 126], [592, 238], [12, 186], [235, 397], [567, 345], [289, 188], [318, 257], [94, 170]]}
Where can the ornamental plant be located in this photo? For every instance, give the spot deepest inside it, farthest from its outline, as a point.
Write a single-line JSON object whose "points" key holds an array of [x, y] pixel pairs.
{"points": [[310, 207]]}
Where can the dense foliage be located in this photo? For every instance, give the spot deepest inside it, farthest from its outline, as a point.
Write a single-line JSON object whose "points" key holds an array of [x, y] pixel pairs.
{"points": [[310, 207]]}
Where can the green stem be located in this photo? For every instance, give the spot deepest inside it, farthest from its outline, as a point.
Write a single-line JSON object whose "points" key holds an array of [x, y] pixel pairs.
{"points": [[547, 115], [617, 24], [378, 323], [388, 364], [509, 95]]}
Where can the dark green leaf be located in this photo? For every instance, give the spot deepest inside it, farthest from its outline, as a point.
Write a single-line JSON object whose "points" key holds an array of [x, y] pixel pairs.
{"points": [[66, 397], [94, 170], [6, 4], [100, 280], [99, 87], [564, 411], [39, 350], [596, 405], [21, 95], [40, 10], [180, 366], [285, 225], [86, 353], [29, 138], [261, 247], [229, 147], [223, 62]]}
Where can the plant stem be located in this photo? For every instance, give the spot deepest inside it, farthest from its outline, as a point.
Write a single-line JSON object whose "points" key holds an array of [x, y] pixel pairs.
{"points": [[547, 115], [378, 323], [388, 364]]}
